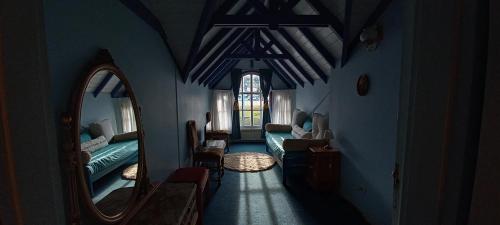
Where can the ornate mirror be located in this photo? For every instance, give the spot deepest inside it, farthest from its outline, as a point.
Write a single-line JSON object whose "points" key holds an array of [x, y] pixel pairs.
{"points": [[107, 150]]}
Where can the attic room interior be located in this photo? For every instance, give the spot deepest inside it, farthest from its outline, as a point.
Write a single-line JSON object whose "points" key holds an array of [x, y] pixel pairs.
{"points": [[366, 112]]}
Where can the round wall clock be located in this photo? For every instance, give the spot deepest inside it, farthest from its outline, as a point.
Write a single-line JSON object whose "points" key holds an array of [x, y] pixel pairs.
{"points": [[363, 85]]}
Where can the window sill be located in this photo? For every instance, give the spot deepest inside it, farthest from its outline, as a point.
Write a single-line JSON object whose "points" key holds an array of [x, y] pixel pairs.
{"points": [[250, 128]]}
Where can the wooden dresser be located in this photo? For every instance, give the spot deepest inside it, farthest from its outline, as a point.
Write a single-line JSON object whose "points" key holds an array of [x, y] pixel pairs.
{"points": [[324, 168], [169, 204]]}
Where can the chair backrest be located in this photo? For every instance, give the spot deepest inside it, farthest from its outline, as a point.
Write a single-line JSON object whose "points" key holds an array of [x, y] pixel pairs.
{"points": [[192, 134]]}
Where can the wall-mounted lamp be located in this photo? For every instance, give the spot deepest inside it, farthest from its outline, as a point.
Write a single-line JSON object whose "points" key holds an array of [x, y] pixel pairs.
{"points": [[371, 36]]}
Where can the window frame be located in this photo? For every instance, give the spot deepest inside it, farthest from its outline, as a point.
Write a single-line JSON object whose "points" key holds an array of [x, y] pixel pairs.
{"points": [[252, 93]]}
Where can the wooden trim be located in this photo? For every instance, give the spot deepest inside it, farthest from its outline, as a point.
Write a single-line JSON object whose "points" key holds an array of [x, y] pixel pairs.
{"points": [[8, 161]]}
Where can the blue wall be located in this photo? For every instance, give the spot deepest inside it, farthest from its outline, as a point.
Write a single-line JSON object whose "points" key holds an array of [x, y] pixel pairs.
{"points": [[101, 107], [365, 127], [76, 30], [194, 102]]}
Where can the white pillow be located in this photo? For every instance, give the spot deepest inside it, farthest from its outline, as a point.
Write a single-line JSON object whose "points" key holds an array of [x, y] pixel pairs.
{"points": [[103, 128], [319, 125], [94, 144]]}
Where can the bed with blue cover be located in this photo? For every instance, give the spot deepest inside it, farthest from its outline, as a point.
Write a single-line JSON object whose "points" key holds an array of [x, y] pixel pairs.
{"points": [[109, 158]]}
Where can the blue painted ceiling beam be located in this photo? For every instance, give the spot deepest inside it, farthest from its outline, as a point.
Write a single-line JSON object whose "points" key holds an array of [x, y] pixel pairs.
{"points": [[317, 44], [236, 47], [220, 34], [372, 19], [116, 89], [270, 20], [280, 73], [347, 30], [203, 26], [216, 81], [256, 56], [219, 69], [292, 59], [303, 54], [103, 84], [335, 23], [212, 75], [233, 38]]}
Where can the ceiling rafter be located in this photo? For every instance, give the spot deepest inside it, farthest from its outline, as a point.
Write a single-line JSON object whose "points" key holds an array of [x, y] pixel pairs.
{"points": [[295, 63], [303, 54], [211, 74], [203, 26], [218, 56]]}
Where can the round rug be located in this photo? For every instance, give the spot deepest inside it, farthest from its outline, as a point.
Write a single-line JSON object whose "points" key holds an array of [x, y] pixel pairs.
{"points": [[130, 173], [248, 161]]}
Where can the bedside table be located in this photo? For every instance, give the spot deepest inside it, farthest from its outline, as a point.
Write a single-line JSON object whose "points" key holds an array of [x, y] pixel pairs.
{"points": [[324, 168]]}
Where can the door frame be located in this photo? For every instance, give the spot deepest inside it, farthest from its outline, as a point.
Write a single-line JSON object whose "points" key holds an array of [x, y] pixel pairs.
{"points": [[8, 176], [442, 87]]}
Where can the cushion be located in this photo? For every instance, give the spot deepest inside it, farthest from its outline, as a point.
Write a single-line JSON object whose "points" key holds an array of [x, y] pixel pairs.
{"points": [[298, 117], [299, 133], [215, 144], [319, 125], [94, 144], [102, 128], [84, 137], [124, 137], [308, 125]]}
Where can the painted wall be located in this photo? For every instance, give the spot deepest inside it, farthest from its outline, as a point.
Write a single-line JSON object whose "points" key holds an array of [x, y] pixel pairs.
{"points": [[76, 30], [194, 102], [99, 108], [365, 127]]}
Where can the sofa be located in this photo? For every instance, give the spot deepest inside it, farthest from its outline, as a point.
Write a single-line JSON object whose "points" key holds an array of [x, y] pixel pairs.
{"points": [[289, 143], [103, 157]]}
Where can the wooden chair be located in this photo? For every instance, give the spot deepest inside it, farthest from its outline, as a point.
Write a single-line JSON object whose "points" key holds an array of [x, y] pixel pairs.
{"points": [[211, 155]]}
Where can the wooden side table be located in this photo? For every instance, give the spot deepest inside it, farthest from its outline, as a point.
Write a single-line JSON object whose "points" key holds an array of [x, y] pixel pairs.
{"points": [[218, 135], [324, 168]]}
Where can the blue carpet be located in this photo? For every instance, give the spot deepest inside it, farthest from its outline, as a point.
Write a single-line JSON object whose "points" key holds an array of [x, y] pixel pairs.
{"points": [[260, 198]]}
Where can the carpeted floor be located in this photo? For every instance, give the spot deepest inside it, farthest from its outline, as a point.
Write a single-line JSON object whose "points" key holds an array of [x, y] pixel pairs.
{"points": [[260, 198]]}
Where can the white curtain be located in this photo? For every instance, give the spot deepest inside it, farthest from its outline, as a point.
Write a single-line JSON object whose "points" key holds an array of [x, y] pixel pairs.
{"points": [[281, 108], [222, 110], [128, 117]]}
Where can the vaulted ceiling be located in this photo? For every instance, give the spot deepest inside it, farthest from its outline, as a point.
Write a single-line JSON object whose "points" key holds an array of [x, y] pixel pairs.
{"points": [[301, 40]]}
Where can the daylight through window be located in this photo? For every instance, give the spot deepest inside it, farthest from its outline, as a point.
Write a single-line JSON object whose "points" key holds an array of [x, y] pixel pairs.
{"points": [[250, 101]]}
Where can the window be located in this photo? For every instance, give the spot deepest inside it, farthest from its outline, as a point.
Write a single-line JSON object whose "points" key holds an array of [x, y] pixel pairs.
{"points": [[250, 101], [128, 117]]}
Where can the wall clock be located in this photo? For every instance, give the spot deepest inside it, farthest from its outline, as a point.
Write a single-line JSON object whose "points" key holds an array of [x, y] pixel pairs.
{"points": [[363, 85]]}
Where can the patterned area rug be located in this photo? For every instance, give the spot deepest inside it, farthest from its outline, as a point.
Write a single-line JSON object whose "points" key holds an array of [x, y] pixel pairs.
{"points": [[248, 161], [130, 173]]}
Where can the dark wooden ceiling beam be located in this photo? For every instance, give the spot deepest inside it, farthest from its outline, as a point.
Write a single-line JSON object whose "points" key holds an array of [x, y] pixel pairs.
{"points": [[270, 21], [114, 92], [234, 47], [303, 54], [372, 19], [280, 73], [233, 38], [102, 84], [256, 56], [347, 32], [335, 23], [318, 46], [295, 63], [203, 26], [221, 76]]}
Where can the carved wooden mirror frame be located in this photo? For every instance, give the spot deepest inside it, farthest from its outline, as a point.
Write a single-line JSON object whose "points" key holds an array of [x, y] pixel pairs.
{"points": [[78, 190]]}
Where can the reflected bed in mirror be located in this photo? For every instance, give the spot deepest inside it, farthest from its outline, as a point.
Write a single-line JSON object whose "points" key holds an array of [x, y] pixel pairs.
{"points": [[108, 140], [108, 171]]}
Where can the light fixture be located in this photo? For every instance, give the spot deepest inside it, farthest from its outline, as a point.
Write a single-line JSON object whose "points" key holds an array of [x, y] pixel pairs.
{"points": [[371, 36]]}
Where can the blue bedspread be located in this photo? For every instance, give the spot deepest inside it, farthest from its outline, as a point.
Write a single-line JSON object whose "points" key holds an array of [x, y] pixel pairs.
{"points": [[110, 155]]}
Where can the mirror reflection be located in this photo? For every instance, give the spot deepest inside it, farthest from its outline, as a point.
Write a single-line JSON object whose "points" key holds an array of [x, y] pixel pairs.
{"points": [[108, 141]]}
